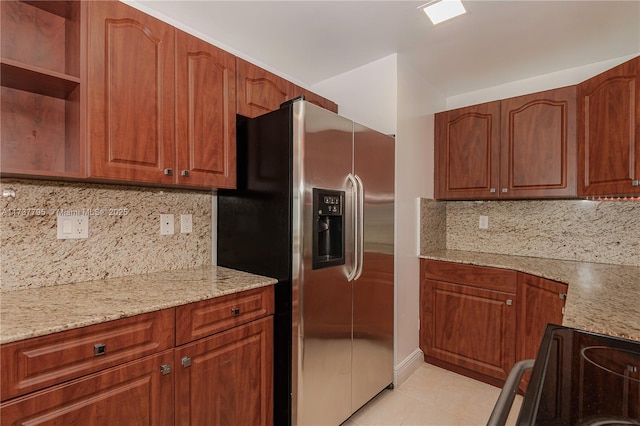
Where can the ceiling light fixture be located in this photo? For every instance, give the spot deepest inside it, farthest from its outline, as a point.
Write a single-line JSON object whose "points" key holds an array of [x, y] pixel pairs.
{"points": [[442, 10]]}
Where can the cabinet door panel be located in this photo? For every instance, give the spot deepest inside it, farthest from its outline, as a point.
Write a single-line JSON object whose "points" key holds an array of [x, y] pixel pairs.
{"points": [[259, 91], [229, 380], [538, 145], [467, 152], [469, 327], [131, 88], [206, 113], [609, 131], [133, 394]]}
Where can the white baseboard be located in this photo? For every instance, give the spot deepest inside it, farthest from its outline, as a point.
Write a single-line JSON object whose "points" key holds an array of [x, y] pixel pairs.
{"points": [[407, 367]]}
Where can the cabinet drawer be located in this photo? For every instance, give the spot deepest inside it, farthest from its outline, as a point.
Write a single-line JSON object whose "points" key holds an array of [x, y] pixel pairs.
{"points": [[201, 319], [476, 276], [35, 363]]}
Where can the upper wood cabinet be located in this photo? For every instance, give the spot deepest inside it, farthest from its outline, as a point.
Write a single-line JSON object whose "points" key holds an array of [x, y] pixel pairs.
{"points": [[609, 132], [131, 94], [162, 102], [260, 91], [205, 114], [522, 147], [42, 99]]}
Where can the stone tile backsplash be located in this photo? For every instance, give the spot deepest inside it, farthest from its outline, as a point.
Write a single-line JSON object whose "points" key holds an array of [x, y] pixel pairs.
{"points": [[124, 232], [591, 231]]}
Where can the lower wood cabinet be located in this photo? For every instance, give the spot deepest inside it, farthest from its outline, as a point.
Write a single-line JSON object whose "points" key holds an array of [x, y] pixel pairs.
{"points": [[136, 393], [479, 321], [129, 371], [226, 379]]}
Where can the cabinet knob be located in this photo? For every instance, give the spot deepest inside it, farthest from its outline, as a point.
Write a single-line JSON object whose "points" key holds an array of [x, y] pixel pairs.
{"points": [[185, 173], [99, 349], [505, 190], [509, 302], [186, 361], [562, 296], [168, 172], [165, 369], [492, 190], [635, 183], [235, 311]]}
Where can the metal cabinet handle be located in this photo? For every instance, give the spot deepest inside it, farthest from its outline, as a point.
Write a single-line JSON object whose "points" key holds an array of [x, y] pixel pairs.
{"points": [[505, 190], [168, 172], [562, 296], [99, 349], [492, 190], [165, 369], [184, 173], [235, 311], [509, 302], [635, 183], [186, 361]]}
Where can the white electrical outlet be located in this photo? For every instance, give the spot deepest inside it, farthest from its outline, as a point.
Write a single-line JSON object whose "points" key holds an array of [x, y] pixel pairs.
{"points": [[484, 222], [73, 227], [166, 224], [186, 223]]}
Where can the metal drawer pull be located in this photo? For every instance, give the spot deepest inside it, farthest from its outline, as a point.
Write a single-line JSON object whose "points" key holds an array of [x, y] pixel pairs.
{"points": [[635, 183], [185, 173], [509, 302], [165, 369], [235, 311], [186, 361], [492, 190], [168, 172], [99, 349], [562, 296]]}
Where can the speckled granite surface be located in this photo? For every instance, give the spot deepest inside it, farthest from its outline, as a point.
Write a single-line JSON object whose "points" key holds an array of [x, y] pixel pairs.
{"points": [[39, 311], [601, 297]]}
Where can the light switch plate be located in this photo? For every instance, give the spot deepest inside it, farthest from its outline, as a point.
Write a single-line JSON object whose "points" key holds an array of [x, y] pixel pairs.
{"points": [[72, 227], [483, 223], [186, 223]]}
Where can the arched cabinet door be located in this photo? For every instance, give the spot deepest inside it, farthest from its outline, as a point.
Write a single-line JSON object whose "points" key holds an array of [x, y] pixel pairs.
{"points": [[609, 132], [131, 95], [467, 152], [205, 114], [538, 145]]}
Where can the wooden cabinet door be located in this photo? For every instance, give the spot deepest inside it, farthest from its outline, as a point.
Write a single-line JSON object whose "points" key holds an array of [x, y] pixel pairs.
{"points": [[467, 152], [227, 379], [136, 393], [538, 145], [205, 114], [468, 327], [131, 94], [540, 302], [259, 91], [609, 132]]}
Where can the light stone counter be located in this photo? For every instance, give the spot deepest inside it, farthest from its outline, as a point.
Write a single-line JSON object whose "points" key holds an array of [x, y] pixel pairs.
{"points": [[40, 311], [602, 298]]}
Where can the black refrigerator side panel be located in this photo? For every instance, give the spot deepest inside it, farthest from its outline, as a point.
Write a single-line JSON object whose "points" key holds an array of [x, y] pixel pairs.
{"points": [[254, 228]]}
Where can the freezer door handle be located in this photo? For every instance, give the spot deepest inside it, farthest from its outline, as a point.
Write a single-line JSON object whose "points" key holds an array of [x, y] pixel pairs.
{"points": [[359, 237], [355, 215]]}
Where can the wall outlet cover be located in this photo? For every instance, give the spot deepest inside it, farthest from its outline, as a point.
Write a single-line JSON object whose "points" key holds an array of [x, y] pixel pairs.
{"points": [[186, 223], [167, 224], [72, 227]]}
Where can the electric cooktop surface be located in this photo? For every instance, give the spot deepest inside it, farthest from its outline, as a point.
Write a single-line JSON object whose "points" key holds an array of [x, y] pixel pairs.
{"points": [[583, 378]]}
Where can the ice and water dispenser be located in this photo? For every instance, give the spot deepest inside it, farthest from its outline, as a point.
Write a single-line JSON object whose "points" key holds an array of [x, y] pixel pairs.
{"points": [[328, 228]]}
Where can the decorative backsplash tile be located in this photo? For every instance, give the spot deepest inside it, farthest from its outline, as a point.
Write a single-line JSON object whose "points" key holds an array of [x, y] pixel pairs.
{"points": [[124, 232], [591, 231]]}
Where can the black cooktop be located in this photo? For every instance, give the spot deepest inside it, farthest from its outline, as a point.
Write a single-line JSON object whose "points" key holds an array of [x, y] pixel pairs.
{"points": [[583, 378]]}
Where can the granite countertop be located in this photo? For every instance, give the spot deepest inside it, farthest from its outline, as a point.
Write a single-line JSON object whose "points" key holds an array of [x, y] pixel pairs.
{"points": [[602, 298], [45, 310]]}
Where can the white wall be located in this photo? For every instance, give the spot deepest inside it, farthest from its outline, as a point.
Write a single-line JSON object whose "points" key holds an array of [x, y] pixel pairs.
{"points": [[366, 95], [534, 84]]}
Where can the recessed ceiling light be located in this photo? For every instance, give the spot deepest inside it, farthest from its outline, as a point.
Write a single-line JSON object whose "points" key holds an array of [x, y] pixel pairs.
{"points": [[442, 10]]}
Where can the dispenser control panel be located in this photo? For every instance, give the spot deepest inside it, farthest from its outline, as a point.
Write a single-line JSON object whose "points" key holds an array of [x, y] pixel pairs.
{"points": [[330, 205], [328, 228]]}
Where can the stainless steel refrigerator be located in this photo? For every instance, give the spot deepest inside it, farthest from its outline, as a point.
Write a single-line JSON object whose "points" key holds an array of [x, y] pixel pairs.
{"points": [[314, 208]]}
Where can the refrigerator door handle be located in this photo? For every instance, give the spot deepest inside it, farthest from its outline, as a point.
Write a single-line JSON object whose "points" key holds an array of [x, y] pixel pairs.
{"points": [[359, 237], [355, 215]]}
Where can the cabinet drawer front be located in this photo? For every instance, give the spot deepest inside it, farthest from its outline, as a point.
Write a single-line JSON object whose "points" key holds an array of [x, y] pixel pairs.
{"points": [[476, 276], [135, 393], [44, 361], [205, 318]]}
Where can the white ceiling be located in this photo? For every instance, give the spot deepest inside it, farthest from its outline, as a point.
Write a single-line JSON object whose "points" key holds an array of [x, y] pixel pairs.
{"points": [[495, 43]]}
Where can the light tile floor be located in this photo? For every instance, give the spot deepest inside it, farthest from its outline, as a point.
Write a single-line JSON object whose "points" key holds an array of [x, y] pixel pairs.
{"points": [[432, 396]]}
